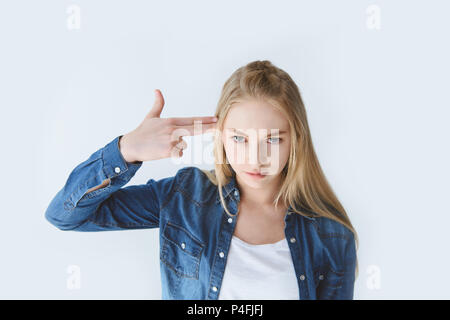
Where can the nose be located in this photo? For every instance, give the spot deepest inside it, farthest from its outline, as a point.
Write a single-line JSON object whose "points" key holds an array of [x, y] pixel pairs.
{"points": [[258, 153]]}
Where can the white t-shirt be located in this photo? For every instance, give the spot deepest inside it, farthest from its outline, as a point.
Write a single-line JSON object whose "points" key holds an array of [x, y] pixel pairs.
{"points": [[259, 272]]}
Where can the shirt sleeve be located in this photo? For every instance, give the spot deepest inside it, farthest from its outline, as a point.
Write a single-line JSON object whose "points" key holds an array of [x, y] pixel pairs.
{"points": [[112, 207], [348, 284]]}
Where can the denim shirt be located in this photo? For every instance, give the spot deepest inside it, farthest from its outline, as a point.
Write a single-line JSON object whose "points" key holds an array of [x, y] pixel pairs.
{"points": [[195, 231]]}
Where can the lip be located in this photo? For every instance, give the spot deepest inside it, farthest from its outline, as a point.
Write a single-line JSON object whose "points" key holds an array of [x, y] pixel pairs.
{"points": [[256, 175]]}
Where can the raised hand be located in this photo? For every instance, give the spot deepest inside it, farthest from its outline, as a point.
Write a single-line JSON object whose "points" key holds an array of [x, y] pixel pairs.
{"points": [[157, 138]]}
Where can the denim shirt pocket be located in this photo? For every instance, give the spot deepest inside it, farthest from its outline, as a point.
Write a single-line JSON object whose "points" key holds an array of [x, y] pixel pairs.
{"points": [[328, 282], [181, 251]]}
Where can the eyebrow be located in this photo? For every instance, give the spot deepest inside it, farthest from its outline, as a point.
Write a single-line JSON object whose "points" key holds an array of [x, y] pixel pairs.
{"points": [[243, 133]]}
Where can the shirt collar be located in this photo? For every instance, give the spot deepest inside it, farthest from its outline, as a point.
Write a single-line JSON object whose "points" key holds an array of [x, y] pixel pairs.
{"points": [[228, 188]]}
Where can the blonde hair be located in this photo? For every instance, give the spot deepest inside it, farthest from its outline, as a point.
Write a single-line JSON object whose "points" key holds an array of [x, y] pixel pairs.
{"points": [[303, 181]]}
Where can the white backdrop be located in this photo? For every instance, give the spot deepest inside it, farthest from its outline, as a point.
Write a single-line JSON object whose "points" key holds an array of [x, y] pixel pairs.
{"points": [[374, 76]]}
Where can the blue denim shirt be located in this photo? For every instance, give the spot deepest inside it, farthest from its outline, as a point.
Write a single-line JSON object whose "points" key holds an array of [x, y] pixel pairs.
{"points": [[195, 231]]}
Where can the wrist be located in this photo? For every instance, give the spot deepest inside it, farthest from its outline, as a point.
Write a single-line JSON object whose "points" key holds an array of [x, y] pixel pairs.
{"points": [[125, 150]]}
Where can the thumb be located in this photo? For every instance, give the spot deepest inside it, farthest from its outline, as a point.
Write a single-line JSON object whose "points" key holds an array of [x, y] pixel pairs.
{"points": [[157, 105]]}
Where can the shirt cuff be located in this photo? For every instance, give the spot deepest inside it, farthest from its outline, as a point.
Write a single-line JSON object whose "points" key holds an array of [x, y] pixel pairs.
{"points": [[113, 162]]}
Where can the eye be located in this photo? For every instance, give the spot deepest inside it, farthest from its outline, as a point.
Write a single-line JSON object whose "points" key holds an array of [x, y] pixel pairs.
{"points": [[238, 137], [276, 138]]}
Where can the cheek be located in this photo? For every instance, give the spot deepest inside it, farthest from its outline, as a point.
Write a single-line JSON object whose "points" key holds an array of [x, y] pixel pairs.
{"points": [[285, 152], [235, 153], [279, 157], [232, 152]]}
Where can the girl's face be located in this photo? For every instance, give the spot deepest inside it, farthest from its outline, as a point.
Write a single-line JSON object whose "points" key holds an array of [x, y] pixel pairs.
{"points": [[256, 139]]}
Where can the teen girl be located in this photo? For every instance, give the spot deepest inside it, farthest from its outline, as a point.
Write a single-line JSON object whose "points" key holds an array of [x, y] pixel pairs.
{"points": [[263, 224]]}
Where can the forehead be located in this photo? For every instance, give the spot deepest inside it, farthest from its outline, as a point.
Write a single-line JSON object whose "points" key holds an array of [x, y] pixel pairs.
{"points": [[255, 114]]}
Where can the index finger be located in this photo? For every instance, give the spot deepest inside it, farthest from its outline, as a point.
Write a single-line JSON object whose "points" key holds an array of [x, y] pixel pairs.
{"points": [[195, 129], [183, 121]]}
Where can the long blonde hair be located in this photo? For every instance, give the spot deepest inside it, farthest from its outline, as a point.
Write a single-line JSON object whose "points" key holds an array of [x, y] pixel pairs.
{"points": [[303, 181]]}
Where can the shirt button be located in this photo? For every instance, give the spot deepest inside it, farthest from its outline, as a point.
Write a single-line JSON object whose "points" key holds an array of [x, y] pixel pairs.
{"points": [[214, 288], [236, 193], [321, 277], [221, 254], [292, 240], [183, 245], [230, 220], [117, 169], [302, 277]]}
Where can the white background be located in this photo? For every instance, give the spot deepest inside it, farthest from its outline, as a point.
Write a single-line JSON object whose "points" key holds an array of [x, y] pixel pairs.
{"points": [[377, 103]]}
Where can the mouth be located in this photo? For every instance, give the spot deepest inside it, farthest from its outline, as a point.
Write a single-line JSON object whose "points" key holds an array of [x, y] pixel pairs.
{"points": [[255, 175]]}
